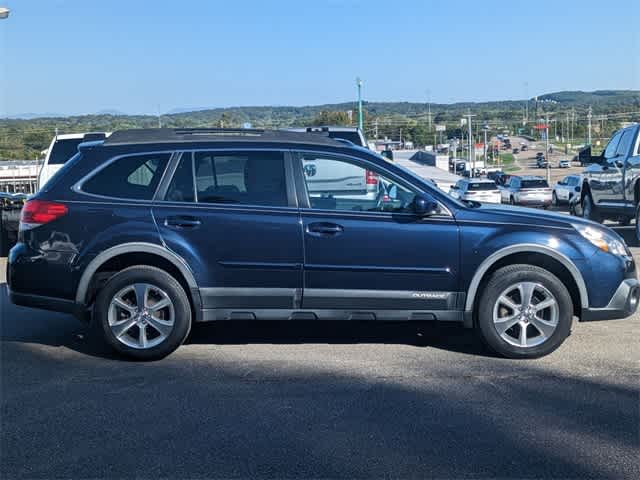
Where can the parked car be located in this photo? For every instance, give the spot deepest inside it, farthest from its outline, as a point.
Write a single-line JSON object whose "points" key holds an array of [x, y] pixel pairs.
{"points": [[566, 189], [564, 163], [541, 162], [493, 173], [483, 191], [539, 155], [12, 201], [515, 151], [526, 190], [61, 149], [149, 231], [524, 147], [611, 183]]}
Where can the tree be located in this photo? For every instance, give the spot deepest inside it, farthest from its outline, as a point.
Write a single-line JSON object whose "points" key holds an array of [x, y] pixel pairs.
{"points": [[331, 117]]}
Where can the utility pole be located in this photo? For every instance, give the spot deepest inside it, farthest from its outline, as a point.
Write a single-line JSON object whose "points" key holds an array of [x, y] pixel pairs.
{"points": [[526, 102], [485, 128], [547, 153], [375, 125], [472, 153], [359, 84], [589, 116], [429, 108]]}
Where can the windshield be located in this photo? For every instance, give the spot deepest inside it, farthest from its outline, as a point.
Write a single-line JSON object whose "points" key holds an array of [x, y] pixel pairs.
{"points": [[535, 184], [63, 150], [479, 186]]}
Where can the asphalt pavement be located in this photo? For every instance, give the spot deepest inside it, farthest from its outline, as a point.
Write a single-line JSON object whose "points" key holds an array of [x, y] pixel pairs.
{"points": [[321, 400]]}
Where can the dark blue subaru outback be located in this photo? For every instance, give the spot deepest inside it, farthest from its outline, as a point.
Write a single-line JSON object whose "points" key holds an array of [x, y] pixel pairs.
{"points": [[150, 230]]}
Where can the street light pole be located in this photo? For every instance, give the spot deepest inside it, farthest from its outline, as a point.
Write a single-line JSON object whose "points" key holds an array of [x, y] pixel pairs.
{"points": [[472, 153], [547, 154], [360, 122]]}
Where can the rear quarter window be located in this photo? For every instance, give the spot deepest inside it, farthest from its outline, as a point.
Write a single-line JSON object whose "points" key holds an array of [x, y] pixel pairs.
{"points": [[132, 177]]}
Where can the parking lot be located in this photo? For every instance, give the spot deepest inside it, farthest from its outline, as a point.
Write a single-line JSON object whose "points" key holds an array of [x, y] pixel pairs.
{"points": [[317, 400]]}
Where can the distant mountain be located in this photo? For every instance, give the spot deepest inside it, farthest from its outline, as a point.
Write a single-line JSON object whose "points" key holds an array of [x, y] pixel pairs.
{"points": [[599, 98], [110, 112], [31, 116]]}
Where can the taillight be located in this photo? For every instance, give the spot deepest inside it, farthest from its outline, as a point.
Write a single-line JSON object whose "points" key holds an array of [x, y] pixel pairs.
{"points": [[39, 212], [371, 177]]}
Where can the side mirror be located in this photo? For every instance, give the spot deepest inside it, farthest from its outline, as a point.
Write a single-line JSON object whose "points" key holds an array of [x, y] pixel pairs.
{"points": [[454, 187], [425, 206]]}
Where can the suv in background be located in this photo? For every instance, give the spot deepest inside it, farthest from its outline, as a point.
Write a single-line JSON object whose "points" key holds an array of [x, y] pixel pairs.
{"points": [[526, 190], [611, 184], [149, 231], [61, 149], [566, 189], [483, 191], [351, 134]]}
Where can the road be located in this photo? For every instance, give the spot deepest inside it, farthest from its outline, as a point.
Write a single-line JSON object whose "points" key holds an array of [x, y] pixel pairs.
{"points": [[332, 400], [527, 160]]}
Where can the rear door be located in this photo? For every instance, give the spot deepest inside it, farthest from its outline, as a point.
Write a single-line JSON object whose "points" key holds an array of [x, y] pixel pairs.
{"points": [[232, 215], [369, 252]]}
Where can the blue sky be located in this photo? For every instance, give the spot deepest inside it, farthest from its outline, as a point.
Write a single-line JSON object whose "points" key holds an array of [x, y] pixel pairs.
{"points": [[73, 56]]}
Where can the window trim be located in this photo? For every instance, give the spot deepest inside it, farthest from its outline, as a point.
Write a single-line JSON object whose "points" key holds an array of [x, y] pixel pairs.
{"points": [[77, 187], [170, 172], [303, 194]]}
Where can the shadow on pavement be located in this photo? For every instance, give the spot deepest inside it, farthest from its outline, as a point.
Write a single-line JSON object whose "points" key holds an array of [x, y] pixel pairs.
{"points": [[242, 415], [47, 328]]}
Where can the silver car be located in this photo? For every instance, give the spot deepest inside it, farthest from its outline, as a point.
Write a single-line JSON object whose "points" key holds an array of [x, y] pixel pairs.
{"points": [[483, 191], [565, 189], [527, 190]]}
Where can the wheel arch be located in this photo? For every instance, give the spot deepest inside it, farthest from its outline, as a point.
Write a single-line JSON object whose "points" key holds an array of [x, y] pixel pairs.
{"points": [[532, 254], [129, 254]]}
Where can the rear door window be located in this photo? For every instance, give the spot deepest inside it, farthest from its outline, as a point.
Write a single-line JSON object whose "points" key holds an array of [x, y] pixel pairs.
{"points": [[246, 178], [131, 177]]}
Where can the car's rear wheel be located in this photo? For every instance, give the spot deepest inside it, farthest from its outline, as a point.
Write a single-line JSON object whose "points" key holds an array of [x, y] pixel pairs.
{"points": [[589, 209], [525, 312], [143, 313]]}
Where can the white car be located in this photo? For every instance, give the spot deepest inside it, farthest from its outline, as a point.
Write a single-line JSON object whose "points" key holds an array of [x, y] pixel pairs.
{"points": [[566, 189], [483, 191], [61, 149]]}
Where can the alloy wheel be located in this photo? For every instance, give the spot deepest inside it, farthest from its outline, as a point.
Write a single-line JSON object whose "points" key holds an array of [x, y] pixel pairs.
{"points": [[526, 314], [141, 315]]}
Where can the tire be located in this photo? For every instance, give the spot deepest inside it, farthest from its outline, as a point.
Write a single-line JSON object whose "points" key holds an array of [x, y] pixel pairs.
{"points": [[624, 221], [122, 324], [554, 199], [589, 209], [556, 325]]}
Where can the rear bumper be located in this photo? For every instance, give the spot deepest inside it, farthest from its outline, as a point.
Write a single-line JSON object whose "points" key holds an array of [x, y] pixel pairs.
{"points": [[623, 303]]}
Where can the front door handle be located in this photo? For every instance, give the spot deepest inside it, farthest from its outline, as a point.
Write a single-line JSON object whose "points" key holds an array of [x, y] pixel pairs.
{"points": [[324, 229], [182, 222]]}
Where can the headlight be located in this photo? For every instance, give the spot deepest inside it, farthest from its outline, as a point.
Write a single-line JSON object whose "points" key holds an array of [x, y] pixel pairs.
{"points": [[603, 240]]}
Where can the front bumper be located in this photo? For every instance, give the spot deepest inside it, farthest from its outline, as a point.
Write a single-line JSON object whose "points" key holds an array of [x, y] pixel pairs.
{"points": [[623, 303]]}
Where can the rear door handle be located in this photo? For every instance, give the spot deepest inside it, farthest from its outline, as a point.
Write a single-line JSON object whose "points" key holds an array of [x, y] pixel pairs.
{"points": [[324, 229], [182, 222]]}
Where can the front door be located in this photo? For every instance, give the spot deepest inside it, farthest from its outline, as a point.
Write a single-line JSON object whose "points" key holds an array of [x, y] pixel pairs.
{"points": [[233, 218], [364, 249]]}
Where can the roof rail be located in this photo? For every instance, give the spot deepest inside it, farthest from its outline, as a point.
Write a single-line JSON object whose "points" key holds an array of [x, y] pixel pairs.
{"points": [[180, 135]]}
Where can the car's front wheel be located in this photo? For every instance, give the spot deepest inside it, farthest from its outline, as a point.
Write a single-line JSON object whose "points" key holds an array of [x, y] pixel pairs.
{"points": [[525, 312], [143, 313]]}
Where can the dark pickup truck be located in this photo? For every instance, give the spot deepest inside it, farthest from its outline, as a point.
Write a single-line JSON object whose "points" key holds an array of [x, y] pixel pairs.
{"points": [[611, 184]]}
